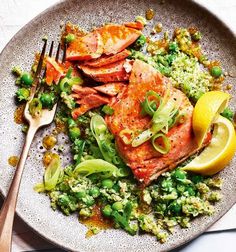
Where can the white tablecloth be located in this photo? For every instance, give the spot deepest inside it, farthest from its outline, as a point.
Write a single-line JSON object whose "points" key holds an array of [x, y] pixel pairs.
{"points": [[14, 14]]}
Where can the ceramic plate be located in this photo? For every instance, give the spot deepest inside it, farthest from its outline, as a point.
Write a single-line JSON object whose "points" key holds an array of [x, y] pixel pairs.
{"points": [[218, 42]]}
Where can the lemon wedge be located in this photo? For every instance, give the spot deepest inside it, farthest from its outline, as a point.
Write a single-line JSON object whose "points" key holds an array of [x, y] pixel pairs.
{"points": [[207, 109], [219, 152]]}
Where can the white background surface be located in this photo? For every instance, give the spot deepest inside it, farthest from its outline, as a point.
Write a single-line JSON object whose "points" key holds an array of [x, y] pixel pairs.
{"points": [[14, 14]]}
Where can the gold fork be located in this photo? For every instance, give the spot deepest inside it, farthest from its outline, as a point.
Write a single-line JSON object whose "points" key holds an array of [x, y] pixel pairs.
{"points": [[8, 209]]}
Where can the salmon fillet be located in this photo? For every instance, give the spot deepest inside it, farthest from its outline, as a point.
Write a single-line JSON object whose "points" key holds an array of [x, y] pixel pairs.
{"points": [[87, 47], [117, 37], [80, 92], [107, 59], [146, 163], [109, 40], [54, 71], [136, 25], [111, 89], [110, 73], [87, 103]]}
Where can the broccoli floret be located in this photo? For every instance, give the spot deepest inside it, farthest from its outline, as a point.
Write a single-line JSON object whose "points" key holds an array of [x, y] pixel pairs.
{"points": [[173, 47], [140, 42], [16, 70], [22, 94], [228, 113], [214, 197], [148, 223], [68, 100]]}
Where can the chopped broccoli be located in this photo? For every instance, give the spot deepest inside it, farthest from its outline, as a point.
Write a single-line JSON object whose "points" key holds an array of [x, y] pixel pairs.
{"points": [[140, 42], [68, 100], [22, 94], [173, 47], [16, 70], [77, 149], [228, 113]]}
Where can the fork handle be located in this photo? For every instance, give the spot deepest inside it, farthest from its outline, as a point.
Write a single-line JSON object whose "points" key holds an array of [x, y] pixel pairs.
{"points": [[8, 209]]}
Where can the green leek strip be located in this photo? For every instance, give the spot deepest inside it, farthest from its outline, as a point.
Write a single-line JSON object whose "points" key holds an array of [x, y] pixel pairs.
{"points": [[39, 187], [166, 141], [143, 137], [52, 174], [103, 137], [99, 130], [92, 166], [159, 123], [69, 72], [149, 107], [35, 107], [66, 83], [127, 136], [161, 119]]}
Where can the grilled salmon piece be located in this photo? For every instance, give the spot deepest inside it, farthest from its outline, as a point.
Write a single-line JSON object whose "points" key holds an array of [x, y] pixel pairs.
{"points": [[117, 37], [107, 59], [109, 39], [87, 47], [110, 73], [111, 89], [127, 107], [135, 25], [81, 92], [54, 71], [89, 102], [146, 163]]}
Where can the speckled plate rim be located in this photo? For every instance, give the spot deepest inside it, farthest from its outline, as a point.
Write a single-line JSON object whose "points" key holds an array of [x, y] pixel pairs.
{"points": [[34, 20]]}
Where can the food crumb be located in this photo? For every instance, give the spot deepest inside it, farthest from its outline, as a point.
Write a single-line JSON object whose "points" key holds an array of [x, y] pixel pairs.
{"points": [[229, 87], [49, 142], [13, 161], [158, 27], [150, 13], [19, 114]]}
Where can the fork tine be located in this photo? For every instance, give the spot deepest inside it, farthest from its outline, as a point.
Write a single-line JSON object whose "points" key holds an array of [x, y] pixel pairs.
{"points": [[64, 53], [58, 52], [35, 87], [51, 49], [50, 55], [40, 64]]}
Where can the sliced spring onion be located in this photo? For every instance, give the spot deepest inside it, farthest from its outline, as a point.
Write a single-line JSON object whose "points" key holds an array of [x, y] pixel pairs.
{"points": [[66, 83], [78, 148], [143, 137], [162, 120], [106, 146], [92, 166], [52, 173], [39, 187], [98, 125], [149, 106], [165, 113], [166, 142], [52, 176], [127, 136], [159, 123], [69, 72], [108, 110], [99, 130], [35, 107]]}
